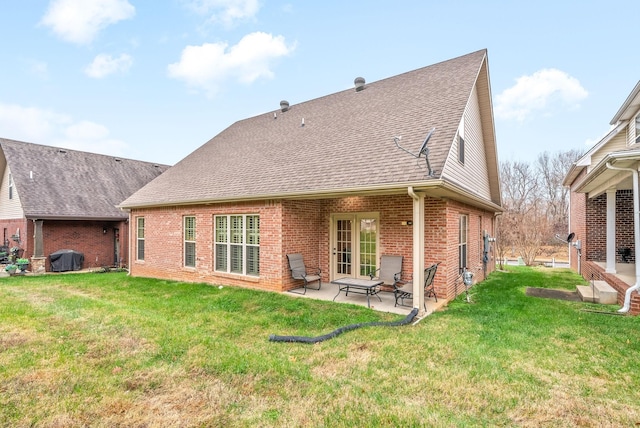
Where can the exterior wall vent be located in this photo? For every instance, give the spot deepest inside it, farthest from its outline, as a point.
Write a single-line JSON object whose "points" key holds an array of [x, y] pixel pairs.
{"points": [[284, 105], [359, 82]]}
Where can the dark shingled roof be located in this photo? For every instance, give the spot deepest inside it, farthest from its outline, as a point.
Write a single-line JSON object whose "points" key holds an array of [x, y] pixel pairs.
{"points": [[55, 183], [345, 144]]}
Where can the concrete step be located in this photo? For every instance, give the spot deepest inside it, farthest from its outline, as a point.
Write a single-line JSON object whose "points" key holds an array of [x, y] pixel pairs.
{"points": [[601, 292], [586, 293]]}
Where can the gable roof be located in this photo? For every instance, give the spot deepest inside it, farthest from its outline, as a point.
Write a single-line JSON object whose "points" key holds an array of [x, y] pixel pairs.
{"points": [[55, 183], [629, 108], [338, 144], [613, 148]]}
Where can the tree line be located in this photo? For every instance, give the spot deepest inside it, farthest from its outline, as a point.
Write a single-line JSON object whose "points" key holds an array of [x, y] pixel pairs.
{"points": [[536, 205]]}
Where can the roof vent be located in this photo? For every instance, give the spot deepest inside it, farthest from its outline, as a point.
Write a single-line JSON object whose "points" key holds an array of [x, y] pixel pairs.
{"points": [[359, 82], [284, 105]]}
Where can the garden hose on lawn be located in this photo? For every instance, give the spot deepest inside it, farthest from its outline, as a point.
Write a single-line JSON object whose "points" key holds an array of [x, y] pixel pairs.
{"points": [[307, 339]]}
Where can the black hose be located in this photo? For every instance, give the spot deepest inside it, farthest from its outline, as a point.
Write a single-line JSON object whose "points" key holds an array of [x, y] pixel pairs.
{"points": [[307, 339]]}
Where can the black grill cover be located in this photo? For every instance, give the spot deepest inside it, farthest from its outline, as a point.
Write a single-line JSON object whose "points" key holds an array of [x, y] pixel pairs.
{"points": [[66, 260]]}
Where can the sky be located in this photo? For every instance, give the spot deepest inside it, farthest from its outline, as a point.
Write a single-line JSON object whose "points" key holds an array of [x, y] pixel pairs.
{"points": [[155, 79]]}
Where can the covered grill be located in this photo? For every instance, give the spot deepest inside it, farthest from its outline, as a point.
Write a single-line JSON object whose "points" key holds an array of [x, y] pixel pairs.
{"points": [[66, 260]]}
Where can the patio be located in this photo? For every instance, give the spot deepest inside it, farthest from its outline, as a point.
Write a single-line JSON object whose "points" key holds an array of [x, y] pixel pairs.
{"points": [[328, 291]]}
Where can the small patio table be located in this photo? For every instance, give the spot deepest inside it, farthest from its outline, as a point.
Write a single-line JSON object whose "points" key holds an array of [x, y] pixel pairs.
{"points": [[358, 286]]}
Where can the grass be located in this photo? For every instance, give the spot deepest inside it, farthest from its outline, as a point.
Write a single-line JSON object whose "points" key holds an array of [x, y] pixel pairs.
{"points": [[110, 350]]}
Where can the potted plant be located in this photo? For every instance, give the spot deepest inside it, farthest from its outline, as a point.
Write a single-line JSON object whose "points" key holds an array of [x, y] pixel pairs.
{"points": [[11, 269], [22, 263]]}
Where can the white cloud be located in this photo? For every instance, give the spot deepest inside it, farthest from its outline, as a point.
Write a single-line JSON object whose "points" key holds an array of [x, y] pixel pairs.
{"points": [[40, 126], [104, 64], [226, 12], [79, 21], [208, 65], [39, 69], [543, 91]]}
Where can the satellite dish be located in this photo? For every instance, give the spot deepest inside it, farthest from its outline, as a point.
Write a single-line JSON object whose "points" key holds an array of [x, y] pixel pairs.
{"points": [[424, 150], [570, 237]]}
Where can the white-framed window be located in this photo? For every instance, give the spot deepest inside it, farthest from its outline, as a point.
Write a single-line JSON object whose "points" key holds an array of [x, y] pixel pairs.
{"points": [[190, 241], [10, 186], [461, 141], [637, 129], [462, 241], [237, 244], [461, 149], [140, 238]]}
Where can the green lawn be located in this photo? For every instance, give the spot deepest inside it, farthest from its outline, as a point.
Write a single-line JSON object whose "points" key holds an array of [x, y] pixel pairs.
{"points": [[104, 349]]}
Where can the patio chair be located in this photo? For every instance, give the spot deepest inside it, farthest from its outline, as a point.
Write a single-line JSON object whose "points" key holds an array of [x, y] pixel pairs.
{"points": [[390, 270], [405, 291], [301, 272]]}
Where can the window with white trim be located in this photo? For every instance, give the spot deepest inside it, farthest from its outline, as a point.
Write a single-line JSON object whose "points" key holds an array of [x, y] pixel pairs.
{"points": [[10, 186], [190, 241], [462, 241], [637, 129], [461, 141], [237, 244], [140, 238]]}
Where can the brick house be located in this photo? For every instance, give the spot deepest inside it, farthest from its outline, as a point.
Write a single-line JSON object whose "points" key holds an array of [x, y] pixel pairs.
{"points": [[53, 199], [603, 212], [331, 179]]}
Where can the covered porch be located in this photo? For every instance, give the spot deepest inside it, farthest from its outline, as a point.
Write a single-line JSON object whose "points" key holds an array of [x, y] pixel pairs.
{"points": [[624, 272], [609, 225]]}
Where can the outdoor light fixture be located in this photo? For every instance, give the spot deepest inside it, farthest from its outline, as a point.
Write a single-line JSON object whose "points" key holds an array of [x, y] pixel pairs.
{"points": [[104, 230]]}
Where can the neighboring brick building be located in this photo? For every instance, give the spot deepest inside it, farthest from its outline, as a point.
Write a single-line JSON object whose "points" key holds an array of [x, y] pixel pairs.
{"points": [[53, 199], [604, 191], [329, 178]]}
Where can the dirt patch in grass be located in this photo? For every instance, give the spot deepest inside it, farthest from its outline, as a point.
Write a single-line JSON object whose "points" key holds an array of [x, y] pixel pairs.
{"points": [[550, 293]]}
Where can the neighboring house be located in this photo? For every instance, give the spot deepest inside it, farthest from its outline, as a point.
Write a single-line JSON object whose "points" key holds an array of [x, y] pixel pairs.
{"points": [[326, 178], [53, 199], [604, 206]]}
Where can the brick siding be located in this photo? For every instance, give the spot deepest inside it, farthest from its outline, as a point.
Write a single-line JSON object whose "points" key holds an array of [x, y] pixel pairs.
{"points": [[302, 226]]}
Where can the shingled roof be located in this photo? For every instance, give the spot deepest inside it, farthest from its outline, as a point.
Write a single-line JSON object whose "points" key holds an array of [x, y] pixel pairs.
{"points": [[55, 183], [337, 144]]}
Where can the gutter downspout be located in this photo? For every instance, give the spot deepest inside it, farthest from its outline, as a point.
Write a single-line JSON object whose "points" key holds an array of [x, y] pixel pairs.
{"points": [[636, 235], [418, 250]]}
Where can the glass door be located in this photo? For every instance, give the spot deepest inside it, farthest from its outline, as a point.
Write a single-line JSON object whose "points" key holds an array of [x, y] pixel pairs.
{"points": [[354, 245]]}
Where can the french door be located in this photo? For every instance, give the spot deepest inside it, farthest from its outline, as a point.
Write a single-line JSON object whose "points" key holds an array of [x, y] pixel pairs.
{"points": [[354, 245]]}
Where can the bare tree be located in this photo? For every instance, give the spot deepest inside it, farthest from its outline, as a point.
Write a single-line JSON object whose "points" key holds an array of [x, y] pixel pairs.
{"points": [[535, 202], [552, 170]]}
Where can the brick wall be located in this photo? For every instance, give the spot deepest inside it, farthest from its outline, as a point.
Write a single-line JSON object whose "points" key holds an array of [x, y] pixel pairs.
{"points": [[596, 227], [624, 225], [164, 247], [87, 237], [578, 225], [10, 227], [303, 226], [479, 221]]}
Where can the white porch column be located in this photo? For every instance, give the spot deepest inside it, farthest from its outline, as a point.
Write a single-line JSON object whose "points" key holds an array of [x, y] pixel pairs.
{"points": [[418, 250], [611, 231]]}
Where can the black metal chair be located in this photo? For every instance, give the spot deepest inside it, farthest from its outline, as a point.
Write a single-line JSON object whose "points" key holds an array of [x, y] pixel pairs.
{"points": [[405, 291], [300, 271]]}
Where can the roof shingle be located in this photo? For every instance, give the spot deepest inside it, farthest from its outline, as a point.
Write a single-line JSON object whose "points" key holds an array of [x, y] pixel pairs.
{"points": [[346, 141], [62, 183]]}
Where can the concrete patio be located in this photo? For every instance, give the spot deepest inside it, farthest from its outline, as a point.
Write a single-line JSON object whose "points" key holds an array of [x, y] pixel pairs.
{"points": [[626, 272], [386, 303]]}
